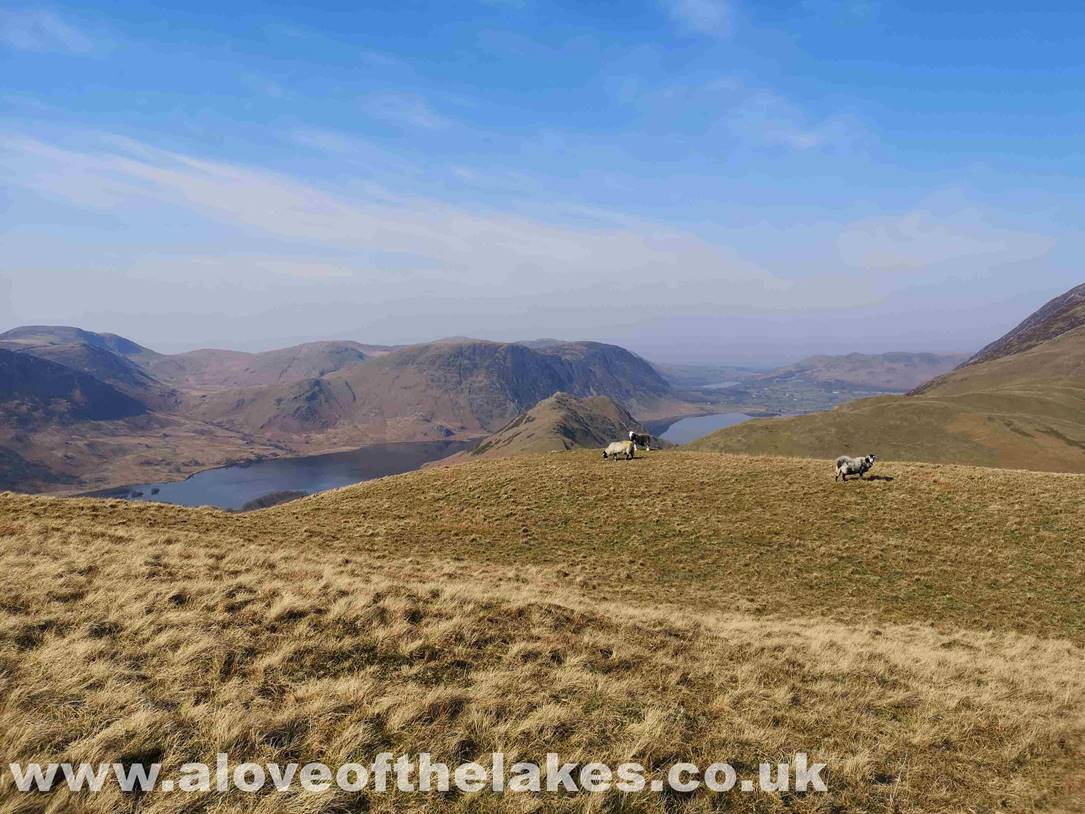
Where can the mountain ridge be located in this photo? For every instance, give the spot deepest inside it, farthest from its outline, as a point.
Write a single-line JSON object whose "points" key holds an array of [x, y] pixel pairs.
{"points": [[1021, 406], [309, 398]]}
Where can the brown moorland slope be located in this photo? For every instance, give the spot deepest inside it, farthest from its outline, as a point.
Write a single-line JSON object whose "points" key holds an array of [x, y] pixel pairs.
{"points": [[921, 635], [202, 409], [1023, 409], [451, 388], [559, 423]]}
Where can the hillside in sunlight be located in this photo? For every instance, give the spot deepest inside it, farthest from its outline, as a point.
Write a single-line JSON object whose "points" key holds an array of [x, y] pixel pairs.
{"points": [[1019, 403], [81, 410], [557, 424], [922, 634]]}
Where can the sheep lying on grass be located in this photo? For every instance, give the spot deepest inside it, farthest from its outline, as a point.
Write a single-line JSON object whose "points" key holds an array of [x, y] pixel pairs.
{"points": [[853, 466], [620, 449]]}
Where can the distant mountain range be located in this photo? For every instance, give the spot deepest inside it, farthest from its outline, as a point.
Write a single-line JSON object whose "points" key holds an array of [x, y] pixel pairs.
{"points": [[889, 372], [812, 384], [1018, 403], [98, 409], [84, 410]]}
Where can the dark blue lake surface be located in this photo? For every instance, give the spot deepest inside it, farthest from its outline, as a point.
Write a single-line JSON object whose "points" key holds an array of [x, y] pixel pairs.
{"points": [[231, 487], [690, 429]]}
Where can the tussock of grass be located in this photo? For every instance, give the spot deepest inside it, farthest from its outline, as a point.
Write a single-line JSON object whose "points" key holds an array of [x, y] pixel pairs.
{"points": [[922, 636]]}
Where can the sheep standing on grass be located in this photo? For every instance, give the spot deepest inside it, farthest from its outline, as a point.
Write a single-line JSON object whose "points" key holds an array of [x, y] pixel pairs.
{"points": [[853, 466], [620, 449], [641, 439]]}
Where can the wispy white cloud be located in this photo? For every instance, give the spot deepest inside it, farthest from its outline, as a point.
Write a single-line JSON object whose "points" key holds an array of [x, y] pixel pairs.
{"points": [[43, 31], [767, 118], [495, 256], [711, 17], [923, 239], [404, 110], [750, 115], [263, 86], [406, 267], [252, 265]]}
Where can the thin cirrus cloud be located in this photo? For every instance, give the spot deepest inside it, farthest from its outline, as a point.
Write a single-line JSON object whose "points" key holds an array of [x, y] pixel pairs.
{"points": [[936, 236], [406, 111], [501, 255], [709, 17], [767, 118], [42, 31], [730, 108], [285, 237]]}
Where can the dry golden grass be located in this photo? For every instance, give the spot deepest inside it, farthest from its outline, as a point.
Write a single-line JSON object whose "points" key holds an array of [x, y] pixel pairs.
{"points": [[923, 636]]}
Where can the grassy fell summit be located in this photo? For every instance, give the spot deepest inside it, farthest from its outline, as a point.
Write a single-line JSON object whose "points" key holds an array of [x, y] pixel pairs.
{"points": [[923, 636], [1019, 403], [560, 423]]}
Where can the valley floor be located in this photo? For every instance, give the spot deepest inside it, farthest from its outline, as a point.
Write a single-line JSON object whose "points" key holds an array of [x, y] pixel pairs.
{"points": [[922, 634]]}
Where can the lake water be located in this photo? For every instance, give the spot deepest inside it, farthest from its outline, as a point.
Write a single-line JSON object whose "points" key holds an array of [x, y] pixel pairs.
{"points": [[720, 386], [690, 429], [231, 487]]}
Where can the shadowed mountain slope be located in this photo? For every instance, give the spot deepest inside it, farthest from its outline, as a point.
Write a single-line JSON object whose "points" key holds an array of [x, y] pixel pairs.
{"points": [[35, 391]]}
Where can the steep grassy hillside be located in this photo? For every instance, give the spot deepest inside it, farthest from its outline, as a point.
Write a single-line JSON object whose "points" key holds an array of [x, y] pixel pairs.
{"points": [[922, 635], [1062, 314], [559, 423], [1022, 409]]}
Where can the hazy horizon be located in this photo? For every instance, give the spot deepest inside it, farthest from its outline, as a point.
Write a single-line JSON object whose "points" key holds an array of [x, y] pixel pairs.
{"points": [[701, 181], [737, 355]]}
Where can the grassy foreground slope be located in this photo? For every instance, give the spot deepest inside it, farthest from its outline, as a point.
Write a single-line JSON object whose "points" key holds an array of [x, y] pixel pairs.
{"points": [[921, 635]]}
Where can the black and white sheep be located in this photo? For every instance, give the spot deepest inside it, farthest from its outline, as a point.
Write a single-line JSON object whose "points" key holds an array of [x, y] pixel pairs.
{"points": [[853, 466], [642, 440]]}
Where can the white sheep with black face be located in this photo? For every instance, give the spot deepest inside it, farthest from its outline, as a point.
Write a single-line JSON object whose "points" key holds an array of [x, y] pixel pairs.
{"points": [[853, 466], [620, 449]]}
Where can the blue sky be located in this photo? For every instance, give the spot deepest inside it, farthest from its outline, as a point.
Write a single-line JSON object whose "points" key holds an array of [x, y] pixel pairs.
{"points": [[701, 180]]}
